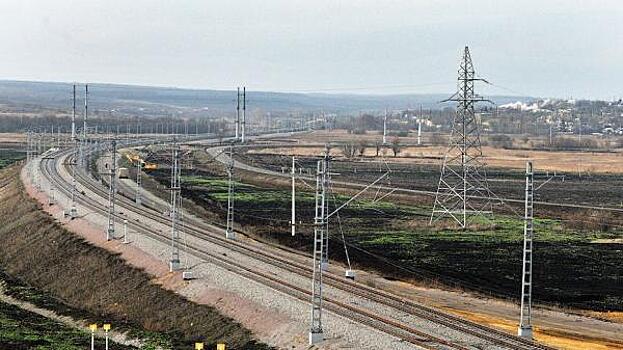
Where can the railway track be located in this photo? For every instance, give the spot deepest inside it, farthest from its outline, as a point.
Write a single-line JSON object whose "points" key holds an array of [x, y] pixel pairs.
{"points": [[205, 231], [389, 326]]}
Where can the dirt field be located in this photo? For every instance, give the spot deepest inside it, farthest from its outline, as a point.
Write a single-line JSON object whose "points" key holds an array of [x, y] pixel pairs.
{"points": [[384, 235], [570, 162], [12, 138]]}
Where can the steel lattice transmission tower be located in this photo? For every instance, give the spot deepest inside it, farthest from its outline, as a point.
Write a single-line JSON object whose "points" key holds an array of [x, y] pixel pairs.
{"points": [[525, 323], [463, 174]]}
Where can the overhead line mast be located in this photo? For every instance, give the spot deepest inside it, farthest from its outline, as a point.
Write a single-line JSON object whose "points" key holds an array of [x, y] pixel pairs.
{"points": [[238, 114], [86, 111], [139, 165], [293, 220], [73, 115], [316, 333], [175, 264], [244, 114], [525, 323], [73, 212], [229, 231], [110, 233]]}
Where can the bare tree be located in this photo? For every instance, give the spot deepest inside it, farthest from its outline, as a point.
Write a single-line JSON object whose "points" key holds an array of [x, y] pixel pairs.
{"points": [[348, 149], [377, 147], [361, 149], [396, 147]]}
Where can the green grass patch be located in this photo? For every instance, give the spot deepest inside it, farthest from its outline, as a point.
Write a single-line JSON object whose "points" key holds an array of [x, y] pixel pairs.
{"points": [[487, 257]]}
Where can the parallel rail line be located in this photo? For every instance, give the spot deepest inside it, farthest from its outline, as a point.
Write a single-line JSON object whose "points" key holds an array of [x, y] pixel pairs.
{"points": [[384, 324], [205, 231]]}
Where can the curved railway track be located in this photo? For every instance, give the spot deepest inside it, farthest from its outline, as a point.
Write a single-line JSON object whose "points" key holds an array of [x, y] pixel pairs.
{"points": [[204, 231]]}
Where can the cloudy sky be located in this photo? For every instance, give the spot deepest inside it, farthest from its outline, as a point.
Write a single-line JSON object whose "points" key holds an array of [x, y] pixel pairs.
{"points": [[565, 48]]}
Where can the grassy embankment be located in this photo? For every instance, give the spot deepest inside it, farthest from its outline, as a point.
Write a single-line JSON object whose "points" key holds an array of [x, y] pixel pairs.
{"points": [[40, 253], [22, 328], [571, 271]]}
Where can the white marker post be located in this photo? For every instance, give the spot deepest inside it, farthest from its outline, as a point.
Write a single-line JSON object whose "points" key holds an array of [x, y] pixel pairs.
{"points": [[125, 231], [106, 329], [93, 328]]}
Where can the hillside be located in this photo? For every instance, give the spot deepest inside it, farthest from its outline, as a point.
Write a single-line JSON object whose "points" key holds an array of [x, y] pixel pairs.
{"points": [[37, 250], [111, 96]]}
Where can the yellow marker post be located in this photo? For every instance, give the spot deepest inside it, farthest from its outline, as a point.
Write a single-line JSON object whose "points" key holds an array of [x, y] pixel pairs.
{"points": [[220, 346], [93, 328], [106, 329], [198, 346]]}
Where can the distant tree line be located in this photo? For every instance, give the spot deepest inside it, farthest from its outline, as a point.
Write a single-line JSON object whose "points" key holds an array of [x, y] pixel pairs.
{"points": [[112, 124]]}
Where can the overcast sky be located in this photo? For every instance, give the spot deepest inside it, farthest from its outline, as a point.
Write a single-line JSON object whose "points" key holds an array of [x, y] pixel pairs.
{"points": [[541, 48]]}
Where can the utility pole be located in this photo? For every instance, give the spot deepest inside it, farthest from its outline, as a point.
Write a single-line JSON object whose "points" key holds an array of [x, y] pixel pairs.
{"points": [[110, 233], [229, 231], [174, 264], [244, 114], [385, 128], [579, 128], [463, 174], [293, 220], [525, 322], [237, 114], [316, 333]]}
